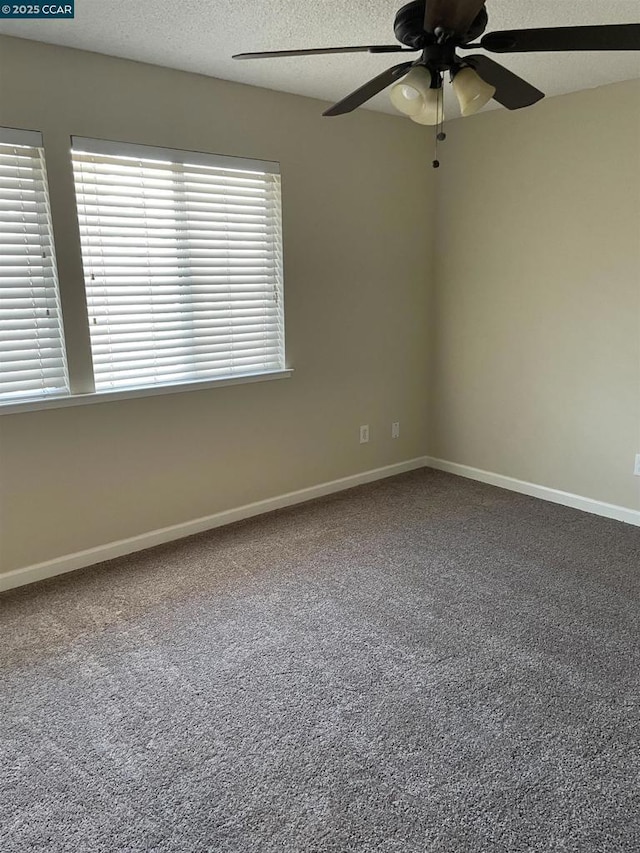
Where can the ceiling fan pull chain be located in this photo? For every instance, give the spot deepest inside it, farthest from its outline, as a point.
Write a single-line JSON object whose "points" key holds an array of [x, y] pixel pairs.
{"points": [[440, 135]]}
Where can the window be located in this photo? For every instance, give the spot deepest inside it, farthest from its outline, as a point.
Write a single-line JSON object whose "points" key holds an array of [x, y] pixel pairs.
{"points": [[183, 264], [32, 360]]}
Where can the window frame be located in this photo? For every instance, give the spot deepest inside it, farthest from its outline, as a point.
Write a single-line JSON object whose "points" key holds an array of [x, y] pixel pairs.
{"points": [[91, 395]]}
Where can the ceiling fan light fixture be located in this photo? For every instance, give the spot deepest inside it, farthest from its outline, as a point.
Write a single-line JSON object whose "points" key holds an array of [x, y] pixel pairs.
{"points": [[432, 109], [410, 94], [471, 91]]}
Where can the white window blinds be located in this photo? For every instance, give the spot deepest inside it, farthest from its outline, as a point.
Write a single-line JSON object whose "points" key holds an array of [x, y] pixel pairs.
{"points": [[183, 264], [32, 361]]}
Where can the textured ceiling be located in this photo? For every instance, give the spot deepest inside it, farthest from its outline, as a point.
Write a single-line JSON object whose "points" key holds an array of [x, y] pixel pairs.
{"points": [[201, 35]]}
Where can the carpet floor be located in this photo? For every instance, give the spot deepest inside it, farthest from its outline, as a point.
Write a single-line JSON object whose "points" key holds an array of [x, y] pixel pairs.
{"points": [[422, 664]]}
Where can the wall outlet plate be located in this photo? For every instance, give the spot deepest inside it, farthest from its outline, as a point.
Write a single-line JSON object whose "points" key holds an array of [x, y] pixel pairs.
{"points": [[364, 433], [636, 469], [395, 429]]}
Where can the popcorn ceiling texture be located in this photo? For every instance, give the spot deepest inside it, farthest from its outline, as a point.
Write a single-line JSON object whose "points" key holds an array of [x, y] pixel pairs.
{"points": [[422, 665], [201, 36]]}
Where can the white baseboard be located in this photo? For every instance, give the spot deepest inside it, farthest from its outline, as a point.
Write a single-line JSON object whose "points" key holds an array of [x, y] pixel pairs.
{"points": [[81, 559], [619, 513]]}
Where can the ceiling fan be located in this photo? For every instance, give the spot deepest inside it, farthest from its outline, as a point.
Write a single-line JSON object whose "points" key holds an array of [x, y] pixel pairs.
{"points": [[438, 28]]}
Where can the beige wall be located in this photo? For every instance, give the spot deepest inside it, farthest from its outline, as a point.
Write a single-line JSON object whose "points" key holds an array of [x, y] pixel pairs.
{"points": [[536, 321], [357, 258], [527, 363]]}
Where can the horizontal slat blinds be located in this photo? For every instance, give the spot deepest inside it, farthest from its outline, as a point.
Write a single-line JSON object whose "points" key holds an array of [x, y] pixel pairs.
{"points": [[32, 360], [183, 266]]}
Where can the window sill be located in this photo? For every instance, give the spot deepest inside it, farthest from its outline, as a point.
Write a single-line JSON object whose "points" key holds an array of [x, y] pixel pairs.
{"points": [[40, 404]]}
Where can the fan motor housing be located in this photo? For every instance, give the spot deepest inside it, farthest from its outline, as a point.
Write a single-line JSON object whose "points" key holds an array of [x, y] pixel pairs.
{"points": [[409, 29]]}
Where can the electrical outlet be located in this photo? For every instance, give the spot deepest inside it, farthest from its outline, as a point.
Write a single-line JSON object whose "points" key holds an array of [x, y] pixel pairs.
{"points": [[364, 433], [636, 469], [395, 429]]}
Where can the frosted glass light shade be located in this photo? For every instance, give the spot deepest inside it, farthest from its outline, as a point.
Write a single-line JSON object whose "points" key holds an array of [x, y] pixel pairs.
{"points": [[471, 91], [432, 110], [409, 94]]}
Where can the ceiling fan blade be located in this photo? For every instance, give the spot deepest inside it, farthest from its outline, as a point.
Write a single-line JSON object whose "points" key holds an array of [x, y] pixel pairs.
{"points": [[454, 15], [314, 51], [371, 88], [605, 37], [511, 91]]}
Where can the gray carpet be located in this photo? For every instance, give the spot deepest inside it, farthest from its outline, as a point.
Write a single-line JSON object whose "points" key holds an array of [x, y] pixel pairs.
{"points": [[421, 664]]}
